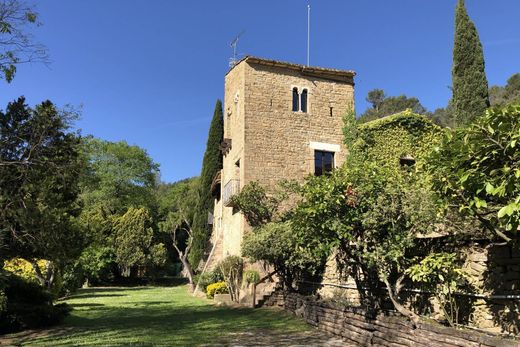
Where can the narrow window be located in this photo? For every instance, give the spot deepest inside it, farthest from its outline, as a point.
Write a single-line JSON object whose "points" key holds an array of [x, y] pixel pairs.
{"points": [[323, 162], [331, 109], [304, 101], [295, 104]]}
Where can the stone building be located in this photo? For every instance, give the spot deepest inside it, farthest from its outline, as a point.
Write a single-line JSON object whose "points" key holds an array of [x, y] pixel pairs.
{"points": [[281, 121]]}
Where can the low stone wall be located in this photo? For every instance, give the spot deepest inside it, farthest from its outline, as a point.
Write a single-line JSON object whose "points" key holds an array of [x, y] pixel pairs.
{"points": [[389, 329]]}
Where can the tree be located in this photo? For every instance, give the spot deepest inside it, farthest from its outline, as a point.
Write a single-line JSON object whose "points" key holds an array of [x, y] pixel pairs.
{"points": [[211, 165], [179, 209], [133, 241], [383, 105], [16, 44], [118, 177], [469, 83], [510, 93], [273, 239], [40, 168], [376, 98], [476, 169]]}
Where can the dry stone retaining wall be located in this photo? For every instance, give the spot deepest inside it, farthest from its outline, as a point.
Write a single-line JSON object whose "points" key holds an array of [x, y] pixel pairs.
{"points": [[389, 329]]}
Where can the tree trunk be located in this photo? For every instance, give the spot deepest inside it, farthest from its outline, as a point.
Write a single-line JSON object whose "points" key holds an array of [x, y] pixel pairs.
{"points": [[414, 318], [38, 272], [189, 271]]}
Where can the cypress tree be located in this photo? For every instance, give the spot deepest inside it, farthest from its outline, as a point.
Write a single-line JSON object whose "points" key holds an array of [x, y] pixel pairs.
{"points": [[211, 164], [470, 86]]}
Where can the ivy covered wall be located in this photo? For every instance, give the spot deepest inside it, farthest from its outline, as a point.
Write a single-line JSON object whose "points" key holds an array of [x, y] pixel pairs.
{"points": [[406, 134]]}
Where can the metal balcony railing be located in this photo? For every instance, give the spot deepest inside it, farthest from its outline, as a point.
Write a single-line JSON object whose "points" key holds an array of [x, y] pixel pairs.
{"points": [[231, 188]]}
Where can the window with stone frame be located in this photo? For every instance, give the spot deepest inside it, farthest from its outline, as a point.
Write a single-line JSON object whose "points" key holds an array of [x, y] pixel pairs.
{"points": [[323, 162], [295, 100]]}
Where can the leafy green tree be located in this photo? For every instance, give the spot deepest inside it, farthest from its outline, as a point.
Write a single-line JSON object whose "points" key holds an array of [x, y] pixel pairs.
{"points": [[40, 167], [440, 274], [469, 82], [383, 105], [510, 93], [273, 240], [178, 205], [133, 241], [118, 177], [17, 46], [370, 215], [211, 165], [476, 169]]}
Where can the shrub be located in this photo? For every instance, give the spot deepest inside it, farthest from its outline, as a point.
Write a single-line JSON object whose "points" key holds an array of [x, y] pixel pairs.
{"points": [[28, 306], [216, 288], [24, 269], [207, 278], [231, 268], [251, 276]]}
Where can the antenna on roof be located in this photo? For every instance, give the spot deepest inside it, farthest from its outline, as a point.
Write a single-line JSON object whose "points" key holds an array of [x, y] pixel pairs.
{"points": [[308, 33], [233, 44]]}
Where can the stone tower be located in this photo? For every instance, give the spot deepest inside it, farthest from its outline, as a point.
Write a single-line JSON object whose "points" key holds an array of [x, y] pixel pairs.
{"points": [[281, 121]]}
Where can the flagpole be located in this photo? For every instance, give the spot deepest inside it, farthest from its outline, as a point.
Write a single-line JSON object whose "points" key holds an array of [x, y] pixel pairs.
{"points": [[308, 33]]}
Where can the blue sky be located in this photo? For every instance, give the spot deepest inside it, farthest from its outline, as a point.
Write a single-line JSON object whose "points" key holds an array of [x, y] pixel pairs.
{"points": [[149, 72]]}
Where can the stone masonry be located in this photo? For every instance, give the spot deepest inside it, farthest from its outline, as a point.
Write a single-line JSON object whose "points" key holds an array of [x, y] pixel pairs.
{"points": [[269, 141]]}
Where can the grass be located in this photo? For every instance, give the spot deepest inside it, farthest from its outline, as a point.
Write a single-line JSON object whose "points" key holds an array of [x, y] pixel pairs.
{"points": [[147, 316]]}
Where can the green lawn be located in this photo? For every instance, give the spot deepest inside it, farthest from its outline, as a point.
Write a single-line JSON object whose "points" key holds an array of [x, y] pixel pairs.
{"points": [[145, 316]]}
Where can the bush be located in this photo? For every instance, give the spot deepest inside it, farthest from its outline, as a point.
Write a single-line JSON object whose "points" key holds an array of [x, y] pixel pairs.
{"points": [[251, 276], [28, 306], [216, 288], [231, 268], [207, 278], [24, 269]]}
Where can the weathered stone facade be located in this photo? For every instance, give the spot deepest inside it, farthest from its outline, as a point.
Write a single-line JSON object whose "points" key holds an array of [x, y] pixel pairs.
{"points": [[268, 141]]}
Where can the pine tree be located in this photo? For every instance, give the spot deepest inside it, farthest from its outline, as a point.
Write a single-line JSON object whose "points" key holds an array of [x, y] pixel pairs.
{"points": [[211, 164], [470, 86]]}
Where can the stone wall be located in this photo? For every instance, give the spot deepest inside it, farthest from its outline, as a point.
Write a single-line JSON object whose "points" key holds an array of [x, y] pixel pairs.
{"points": [[493, 273], [388, 329]]}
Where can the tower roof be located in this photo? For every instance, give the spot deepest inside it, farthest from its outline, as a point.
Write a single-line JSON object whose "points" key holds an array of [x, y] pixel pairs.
{"points": [[305, 70]]}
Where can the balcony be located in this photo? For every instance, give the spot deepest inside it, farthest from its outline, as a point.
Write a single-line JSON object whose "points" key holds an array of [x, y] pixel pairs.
{"points": [[231, 188]]}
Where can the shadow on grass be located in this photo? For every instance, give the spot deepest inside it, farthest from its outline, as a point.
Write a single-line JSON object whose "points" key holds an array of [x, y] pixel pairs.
{"points": [[79, 305], [147, 323]]}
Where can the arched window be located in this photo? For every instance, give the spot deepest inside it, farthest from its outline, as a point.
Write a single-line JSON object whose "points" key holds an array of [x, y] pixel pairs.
{"points": [[295, 103], [304, 101]]}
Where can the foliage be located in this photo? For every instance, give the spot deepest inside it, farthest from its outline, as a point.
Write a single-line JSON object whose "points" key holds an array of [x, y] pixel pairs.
{"points": [[97, 264], [404, 134], [383, 105], [28, 306], [176, 220], [439, 273], [231, 268], [211, 165], [133, 240], [216, 288], [251, 276], [257, 206], [206, 278], [509, 94], [278, 245], [40, 167], [350, 128], [17, 45], [469, 83], [24, 269], [476, 168], [118, 176]]}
